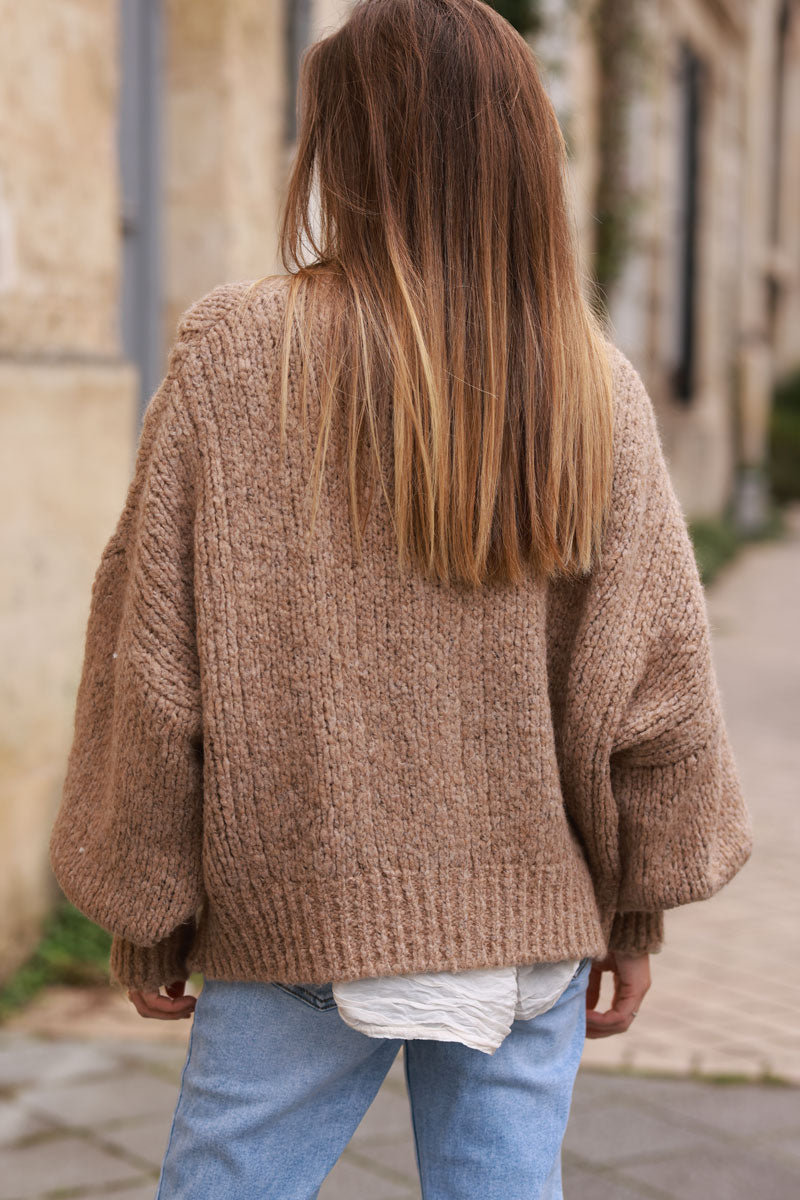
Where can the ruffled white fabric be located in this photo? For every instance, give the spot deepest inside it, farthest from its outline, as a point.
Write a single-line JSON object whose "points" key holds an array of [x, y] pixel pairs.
{"points": [[475, 1007]]}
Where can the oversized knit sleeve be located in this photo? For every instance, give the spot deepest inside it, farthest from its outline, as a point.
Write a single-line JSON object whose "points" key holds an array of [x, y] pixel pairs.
{"points": [[126, 843], [682, 823]]}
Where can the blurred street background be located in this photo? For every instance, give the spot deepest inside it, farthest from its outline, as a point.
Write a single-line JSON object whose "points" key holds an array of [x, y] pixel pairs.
{"points": [[144, 150]]}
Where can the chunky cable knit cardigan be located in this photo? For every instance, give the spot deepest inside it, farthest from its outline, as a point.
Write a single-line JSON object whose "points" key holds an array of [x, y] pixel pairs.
{"points": [[290, 766]]}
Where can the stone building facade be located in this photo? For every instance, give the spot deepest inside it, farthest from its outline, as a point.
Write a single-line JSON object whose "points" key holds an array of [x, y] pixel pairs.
{"points": [[144, 146], [708, 301]]}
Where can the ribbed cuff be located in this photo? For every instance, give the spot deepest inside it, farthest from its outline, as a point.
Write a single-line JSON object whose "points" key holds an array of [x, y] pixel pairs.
{"points": [[637, 932], [146, 968]]}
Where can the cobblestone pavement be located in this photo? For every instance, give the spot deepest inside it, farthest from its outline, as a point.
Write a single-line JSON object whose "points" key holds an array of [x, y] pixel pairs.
{"points": [[88, 1118], [87, 1088]]}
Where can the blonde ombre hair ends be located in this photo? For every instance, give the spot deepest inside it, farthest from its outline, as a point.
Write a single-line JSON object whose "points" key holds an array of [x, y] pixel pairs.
{"points": [[433, 154]]}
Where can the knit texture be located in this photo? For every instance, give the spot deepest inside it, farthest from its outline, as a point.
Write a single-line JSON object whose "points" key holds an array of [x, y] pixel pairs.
{"points": [[289, 765]]}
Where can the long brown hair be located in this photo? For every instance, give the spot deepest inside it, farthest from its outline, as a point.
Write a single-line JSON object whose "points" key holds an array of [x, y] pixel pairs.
{"points": [[461, 313]]}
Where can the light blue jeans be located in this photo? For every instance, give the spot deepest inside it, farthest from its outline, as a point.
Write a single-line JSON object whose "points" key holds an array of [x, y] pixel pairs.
{"points": [[275, 1084]]}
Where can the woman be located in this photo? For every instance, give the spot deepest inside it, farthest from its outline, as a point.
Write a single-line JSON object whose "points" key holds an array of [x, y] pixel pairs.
{"points": [[398, 719]]}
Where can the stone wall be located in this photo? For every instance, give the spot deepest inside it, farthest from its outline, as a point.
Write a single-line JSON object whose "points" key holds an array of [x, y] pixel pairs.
{"points": [[226, 160], [66, 408]]}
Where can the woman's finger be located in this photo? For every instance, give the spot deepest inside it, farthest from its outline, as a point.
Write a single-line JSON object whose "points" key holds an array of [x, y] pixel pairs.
{"points": [[631, 983], [617, 1019], [165, 1008]]}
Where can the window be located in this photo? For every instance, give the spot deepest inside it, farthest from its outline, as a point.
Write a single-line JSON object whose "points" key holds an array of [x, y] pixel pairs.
{"points": [[692, 103]]}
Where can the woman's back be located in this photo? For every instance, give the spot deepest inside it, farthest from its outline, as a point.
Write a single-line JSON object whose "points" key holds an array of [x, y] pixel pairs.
{"points": [[370, 773]]}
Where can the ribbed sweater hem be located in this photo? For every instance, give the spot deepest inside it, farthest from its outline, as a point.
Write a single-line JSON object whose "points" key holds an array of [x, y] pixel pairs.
{"points": [[381, 924]]}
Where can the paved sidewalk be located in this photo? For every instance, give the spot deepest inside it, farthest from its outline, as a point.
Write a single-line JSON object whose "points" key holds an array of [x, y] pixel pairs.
{"points": [[83, 1118], [726, 985]]}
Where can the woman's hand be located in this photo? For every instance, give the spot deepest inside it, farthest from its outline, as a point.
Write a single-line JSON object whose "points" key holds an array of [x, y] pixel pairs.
{"points": [[171, 1007], [631, 981]]}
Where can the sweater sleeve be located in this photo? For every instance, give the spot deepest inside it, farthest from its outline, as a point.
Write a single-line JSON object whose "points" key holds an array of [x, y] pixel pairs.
{"points": [[125, 846], [683, 827]]}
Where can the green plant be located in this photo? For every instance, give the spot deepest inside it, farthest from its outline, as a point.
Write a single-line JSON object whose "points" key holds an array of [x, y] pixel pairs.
{"points": [[784, 439], [524, 15], [72, 950], [621, 51], [717, 540]]}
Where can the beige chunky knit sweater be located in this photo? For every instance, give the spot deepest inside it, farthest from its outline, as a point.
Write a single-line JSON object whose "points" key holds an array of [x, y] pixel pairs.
{"points": [[288, 766]]}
